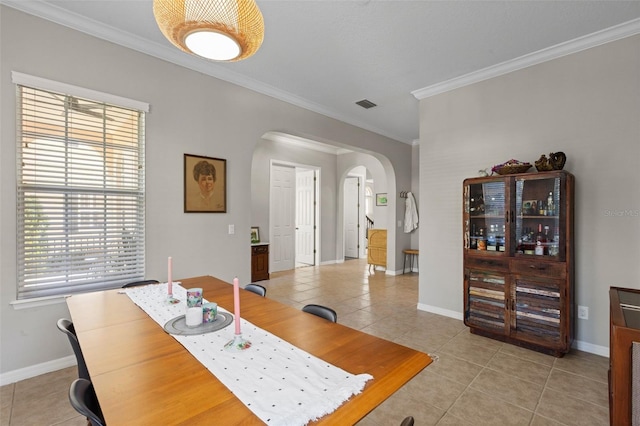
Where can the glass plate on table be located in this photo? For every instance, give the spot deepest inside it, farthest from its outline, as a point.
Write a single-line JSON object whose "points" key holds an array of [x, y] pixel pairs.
{"points": [[178, 325]]}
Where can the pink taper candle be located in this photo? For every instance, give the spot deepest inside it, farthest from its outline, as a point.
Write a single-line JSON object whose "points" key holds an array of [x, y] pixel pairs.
{"points": [[236, 303], [169, 280]]}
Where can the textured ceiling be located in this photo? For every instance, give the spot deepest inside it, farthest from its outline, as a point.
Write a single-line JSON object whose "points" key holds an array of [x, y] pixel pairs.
{"points": [[326, 55]]}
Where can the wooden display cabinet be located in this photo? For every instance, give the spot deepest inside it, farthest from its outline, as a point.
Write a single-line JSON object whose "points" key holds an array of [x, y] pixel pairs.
{"points": [[259, 262], [624, 332], [518, 259]]}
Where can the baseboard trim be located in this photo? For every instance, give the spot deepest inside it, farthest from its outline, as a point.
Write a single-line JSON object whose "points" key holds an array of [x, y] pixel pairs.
{"points": [[577, 344], [36, 370], [439, 311], [591, 348]]}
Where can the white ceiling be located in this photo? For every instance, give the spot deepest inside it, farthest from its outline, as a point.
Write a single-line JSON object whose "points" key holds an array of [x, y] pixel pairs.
{"points": [[326, 55]]}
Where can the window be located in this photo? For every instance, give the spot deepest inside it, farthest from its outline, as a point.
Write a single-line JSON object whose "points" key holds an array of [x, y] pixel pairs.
{"points": [[368, 201], [80, 192]]}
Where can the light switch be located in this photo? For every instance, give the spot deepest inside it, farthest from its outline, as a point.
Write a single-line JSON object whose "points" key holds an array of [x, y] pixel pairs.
{"points": [[232, 229]]}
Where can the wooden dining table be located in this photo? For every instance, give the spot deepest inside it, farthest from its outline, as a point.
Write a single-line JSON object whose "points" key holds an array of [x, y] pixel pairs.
{"points": [[144, 376]]}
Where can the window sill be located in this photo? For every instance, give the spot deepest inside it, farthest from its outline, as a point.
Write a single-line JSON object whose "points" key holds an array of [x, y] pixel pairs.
{"points": [[37, 302]]}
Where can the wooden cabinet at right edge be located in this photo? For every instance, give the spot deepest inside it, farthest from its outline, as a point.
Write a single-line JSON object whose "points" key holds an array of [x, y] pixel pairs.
{"points": [[518, 259], [624, 335]]}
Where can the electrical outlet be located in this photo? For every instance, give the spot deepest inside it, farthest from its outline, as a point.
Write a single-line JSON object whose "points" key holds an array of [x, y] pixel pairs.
{"points": [[583, 312]]}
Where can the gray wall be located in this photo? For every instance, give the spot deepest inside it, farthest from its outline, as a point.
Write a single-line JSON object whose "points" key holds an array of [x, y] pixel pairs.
{"points": [[190, 113], [587, 105], [415, 189]]}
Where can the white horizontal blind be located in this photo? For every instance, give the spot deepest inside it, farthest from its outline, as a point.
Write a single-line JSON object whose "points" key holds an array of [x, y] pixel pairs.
{"points": [[80, 194]]}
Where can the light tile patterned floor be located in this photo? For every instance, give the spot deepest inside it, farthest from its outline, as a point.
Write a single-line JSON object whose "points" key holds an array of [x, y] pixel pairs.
{"points": [[474, 380]]}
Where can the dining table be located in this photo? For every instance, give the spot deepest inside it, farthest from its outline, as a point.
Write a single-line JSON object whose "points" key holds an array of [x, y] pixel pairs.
{"points": [[142, 375]]}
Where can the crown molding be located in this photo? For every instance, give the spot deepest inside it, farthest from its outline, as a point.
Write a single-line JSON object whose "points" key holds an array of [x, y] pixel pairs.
{"points": [[607, 35], [304, 143], [58, 15]]}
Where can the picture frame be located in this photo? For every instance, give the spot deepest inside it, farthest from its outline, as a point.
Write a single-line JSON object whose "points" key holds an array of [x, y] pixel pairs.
{"points": [[381, 199], [205, 184], [529, 207], [255, 235]]}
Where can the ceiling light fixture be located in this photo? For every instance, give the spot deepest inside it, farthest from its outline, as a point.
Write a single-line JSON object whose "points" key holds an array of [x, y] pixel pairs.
{"points": [[221, 30]]}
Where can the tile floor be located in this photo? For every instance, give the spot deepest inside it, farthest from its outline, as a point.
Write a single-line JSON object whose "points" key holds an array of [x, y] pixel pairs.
{"points": [[474, 380]]}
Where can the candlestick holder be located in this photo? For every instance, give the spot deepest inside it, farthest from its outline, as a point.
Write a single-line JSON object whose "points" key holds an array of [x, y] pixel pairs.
{"points": [[237, 344], [170, 300]]}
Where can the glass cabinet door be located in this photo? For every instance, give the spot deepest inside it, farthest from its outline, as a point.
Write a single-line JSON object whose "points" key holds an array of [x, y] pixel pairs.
{"points": [[485, 216], [538, 211]]}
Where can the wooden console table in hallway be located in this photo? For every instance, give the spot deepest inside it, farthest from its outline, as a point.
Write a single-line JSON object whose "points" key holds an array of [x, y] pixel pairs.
{"points": [[377, 248]]}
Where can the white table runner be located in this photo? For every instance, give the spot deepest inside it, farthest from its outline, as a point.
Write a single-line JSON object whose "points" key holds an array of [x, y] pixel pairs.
{"points": [[278, 382]]}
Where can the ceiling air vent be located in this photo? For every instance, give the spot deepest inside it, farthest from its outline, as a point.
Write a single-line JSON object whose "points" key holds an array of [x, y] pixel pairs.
{"points": [[366, 104]]}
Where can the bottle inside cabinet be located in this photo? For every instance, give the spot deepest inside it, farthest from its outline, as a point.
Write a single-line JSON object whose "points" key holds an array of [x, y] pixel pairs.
{"points": [[541, 242]]}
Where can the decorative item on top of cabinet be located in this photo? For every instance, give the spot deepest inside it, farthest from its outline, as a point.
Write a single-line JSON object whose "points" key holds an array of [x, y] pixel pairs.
{"points": [[510, 167], [518, 259], [255, 235], [259, 262], [377, 248], [555, 161]]}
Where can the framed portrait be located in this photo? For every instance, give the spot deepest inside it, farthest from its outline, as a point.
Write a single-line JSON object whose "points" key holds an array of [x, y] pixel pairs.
{"points": [[205, 184], [255, 235], [381, 199]]}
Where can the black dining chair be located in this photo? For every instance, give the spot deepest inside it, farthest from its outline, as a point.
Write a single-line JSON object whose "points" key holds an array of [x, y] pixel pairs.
{"points": [[257, 289], [84, 400], [66, 326], [321, 311], [137, 283], [408, 421]]}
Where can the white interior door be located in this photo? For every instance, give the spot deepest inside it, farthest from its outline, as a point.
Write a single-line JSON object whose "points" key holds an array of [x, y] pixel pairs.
{"points": [[305, 216], [282, 212], [351, 216]]}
